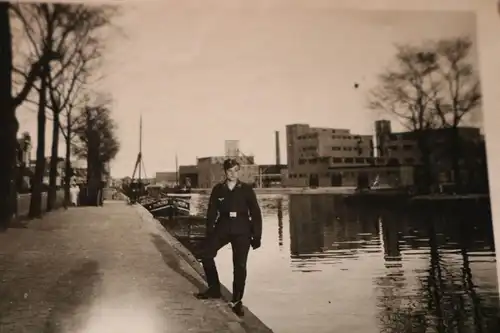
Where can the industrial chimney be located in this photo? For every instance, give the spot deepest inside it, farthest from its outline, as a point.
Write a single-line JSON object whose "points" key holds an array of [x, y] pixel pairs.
{"points": [[277, 143]]}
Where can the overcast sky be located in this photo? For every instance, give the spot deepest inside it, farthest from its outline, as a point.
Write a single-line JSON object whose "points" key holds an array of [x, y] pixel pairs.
{"points": [[201, 74]]}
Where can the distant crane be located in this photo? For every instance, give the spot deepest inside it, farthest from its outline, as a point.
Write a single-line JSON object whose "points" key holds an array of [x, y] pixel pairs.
{"points": [[139, 163], [138, 188]]}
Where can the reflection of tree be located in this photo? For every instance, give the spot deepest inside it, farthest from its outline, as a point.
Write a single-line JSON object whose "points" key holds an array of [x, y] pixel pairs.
{"points": [[400, 311], [467, 282], [280, 221], [445, 299], [435, 287], [390, 235], [484, 315]]}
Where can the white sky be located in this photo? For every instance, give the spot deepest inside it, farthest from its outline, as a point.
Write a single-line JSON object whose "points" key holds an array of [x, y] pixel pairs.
{"points": [[204, 72]]}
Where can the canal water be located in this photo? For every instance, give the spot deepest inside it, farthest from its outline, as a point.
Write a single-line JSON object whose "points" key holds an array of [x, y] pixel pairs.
{"points": [[330, 265]]}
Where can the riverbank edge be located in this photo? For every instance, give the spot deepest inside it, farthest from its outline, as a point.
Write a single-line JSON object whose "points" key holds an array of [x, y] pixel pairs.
{"points": [[290, 190], [351, 192], [250, 322]]}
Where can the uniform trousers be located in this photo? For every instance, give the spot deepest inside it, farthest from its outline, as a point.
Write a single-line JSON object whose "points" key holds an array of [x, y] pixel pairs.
{"points": [[240, 244]]}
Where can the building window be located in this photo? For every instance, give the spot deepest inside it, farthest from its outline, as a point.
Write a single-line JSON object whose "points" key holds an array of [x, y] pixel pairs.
{"points": [[393, 162]]}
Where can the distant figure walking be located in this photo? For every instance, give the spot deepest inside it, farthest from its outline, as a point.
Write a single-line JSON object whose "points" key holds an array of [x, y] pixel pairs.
{"points": [[74, 194]]}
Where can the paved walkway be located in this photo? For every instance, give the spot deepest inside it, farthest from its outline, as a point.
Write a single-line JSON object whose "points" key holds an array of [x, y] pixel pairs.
{"points": [[100, 270]]}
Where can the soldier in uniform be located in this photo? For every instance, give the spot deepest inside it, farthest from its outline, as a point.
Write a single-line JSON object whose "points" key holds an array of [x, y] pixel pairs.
{"points": [[233, 216]]}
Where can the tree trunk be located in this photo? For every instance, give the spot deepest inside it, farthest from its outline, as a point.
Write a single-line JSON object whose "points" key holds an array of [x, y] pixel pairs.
{"points": [[8, 121], [100, 188], [456, 152], [427, 174], [92, 184], [51, 198], [92, 155], [67, 168], [36, 192], [37, 188]]}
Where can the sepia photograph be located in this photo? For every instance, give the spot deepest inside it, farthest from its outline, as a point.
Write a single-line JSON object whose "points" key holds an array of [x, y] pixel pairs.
{"points": [[243, 167]]}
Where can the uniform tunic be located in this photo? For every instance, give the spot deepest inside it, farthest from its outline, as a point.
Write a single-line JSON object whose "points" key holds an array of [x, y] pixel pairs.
{"points": [[233, 216], [235, 211]]}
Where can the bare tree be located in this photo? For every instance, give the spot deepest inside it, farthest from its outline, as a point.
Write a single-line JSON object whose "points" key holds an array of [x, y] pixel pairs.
{"points": [[63, 91], [96, 142], [67, 130], [461, 93], [10, 101], [8, 119], [60, 29], [407, 91], [433, 86]]}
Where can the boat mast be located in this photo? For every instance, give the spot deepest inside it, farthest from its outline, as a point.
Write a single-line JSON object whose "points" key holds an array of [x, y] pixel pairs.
{"points": [[176, 170], [139, 162], [140, 148]]}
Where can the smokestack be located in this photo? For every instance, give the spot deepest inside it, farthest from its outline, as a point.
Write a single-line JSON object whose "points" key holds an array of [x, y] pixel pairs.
{"points": [[277, 143]]}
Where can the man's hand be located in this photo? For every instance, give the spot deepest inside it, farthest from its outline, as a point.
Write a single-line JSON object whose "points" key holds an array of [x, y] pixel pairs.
{"points": [[255, 242]]}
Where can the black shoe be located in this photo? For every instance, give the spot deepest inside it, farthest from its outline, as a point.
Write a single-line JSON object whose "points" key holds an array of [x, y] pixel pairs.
{"points": [[208, 294], [237, 308]]}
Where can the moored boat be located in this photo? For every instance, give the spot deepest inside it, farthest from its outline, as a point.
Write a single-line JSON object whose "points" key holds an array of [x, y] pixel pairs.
{"points": [[163, 203], [191, 227], [181, 203]]}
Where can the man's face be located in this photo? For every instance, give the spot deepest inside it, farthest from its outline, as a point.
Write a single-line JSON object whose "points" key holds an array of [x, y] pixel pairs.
{"points": [[232, 173]]}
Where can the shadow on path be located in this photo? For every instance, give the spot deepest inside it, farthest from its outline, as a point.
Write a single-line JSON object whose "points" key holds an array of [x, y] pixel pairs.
{"points": [[71, 296], [250, 323], [173, 261]]}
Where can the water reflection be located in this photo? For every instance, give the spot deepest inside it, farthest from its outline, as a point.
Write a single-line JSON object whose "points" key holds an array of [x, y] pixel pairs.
{"points": [[323, 228], [445, 298], [356, 266], [279, 208]]}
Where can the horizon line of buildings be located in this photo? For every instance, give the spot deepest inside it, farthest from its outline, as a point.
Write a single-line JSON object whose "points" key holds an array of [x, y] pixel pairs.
{"points": [[320, 156]]}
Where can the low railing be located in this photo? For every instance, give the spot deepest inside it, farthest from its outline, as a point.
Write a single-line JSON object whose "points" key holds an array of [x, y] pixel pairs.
{"points": [[23, 203]]}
